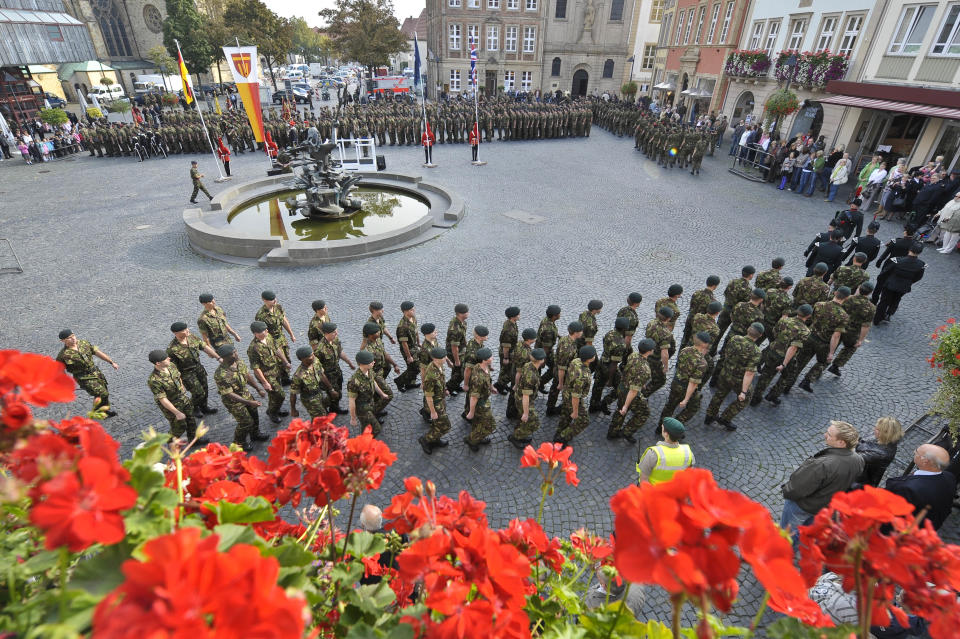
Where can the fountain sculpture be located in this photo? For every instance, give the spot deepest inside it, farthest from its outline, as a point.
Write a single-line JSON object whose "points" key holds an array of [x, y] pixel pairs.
{"points": [[326, 188]]}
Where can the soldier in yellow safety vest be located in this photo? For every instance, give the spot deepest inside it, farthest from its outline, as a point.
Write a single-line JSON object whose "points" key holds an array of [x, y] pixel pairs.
{"points": [[660, 462]]}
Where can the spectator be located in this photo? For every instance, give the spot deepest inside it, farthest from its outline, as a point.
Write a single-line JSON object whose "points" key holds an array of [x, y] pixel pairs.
{"points": [[371, 520], [893, 177], [950, 224], [931, 487], [874, 185], [925, 200], [839, 176], [786, 169], [879, 449]]}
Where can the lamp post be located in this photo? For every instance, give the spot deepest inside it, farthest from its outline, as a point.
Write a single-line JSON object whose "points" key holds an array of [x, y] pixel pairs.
{"points": [[790, 62], [631, 60]]}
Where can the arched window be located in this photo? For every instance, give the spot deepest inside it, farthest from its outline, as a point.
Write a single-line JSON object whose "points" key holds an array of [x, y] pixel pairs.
{"points": [[608, 69], [555, 69], [616, 10], [114, 28], [561, 9]]}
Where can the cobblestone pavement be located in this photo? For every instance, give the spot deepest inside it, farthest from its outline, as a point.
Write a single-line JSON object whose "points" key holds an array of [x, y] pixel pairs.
{"points": [[105, 253]]}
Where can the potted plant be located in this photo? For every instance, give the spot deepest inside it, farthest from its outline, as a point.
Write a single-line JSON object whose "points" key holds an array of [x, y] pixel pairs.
{"points": [[781, 103], [629, 90], [946, 360]]}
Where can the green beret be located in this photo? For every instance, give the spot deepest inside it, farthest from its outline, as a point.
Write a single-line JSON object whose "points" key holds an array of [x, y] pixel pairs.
{"points": [[594, 305], [304, 352], [748, 270], [758, 327], [666, 312], [484, 353], [843, 292], [370, 328], [460, 309], [759, 292], [528, 333], [714, 306], [586, 352], [621, 323], [675, 289], [328, 327], [437, 352], [704, 337], [226, 350], [646, 345], [512, 311], [805, 310], [778, 262], [206, 298], [538, 354], [427, 328], [786, 282], [866, 287], [268, 295], [258, 326], [860, 256], [552, 310], [364, 357], [713, 280], [376, 306], [574, 327], [481, 330], [176, 327], [65, 333], [820, 268], [406, 306], [157, 356], [634, 298], [318, 304], [674, 428]]}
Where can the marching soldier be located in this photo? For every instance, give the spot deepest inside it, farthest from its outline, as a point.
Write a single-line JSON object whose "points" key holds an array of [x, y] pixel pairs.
{"points": [[171, 396], [692, 367], [736, 375], [630, 312], [630, 397], [320, 315], [480, 334], [519, 356], [573, 418], [507, 340], [77, 356], [409, 337], [566, 352], [434, 394], [329, 352], [478, 380], [860, 312], [607, 373], [232, 378], [198, 186], [524, 394], [366, 394], [273, 315], [184, 351], [213, 325], [658, 329], [698, 304], [309, 382], [266, 361], [547, 339], [455, 340], [737, 291], [780, 356]]}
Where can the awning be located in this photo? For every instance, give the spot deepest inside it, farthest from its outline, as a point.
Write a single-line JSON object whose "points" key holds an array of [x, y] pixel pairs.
{"points": [[665, 86], [892, 105]]}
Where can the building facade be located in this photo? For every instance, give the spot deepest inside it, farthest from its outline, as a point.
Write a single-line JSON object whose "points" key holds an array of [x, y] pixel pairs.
{"points": [[648, 17]]}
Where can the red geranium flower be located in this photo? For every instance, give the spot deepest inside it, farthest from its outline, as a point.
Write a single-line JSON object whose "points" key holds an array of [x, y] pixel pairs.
{"points": [[556, 457], [528, 537], [365, 460], [42, 456], [15, 414], [38, 378]]}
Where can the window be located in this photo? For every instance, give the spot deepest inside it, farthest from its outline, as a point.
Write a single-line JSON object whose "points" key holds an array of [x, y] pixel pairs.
{"points": [[454, 37], [454, 79], [797, 29], [676, 40], [656, 11], [54, 33], [948, 39], [616, 10], [510, 39], [664, 38], [911, 29], [725, 29], [513, 5], [526, 80], [555, 67], [773, 29], [696, 34], [608, 68], [531, 5], [529, 39], [560, 12], [509, 78], [713, 22], [827, 27], [493, 38], [686, 34], [850, 33], [473, 35], [473, 4], [493, 4], [455, 3], [756, 36], [649, 55]]}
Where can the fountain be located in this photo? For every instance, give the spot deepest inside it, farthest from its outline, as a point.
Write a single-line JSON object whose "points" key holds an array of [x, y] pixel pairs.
{"points": [[326, 188]]}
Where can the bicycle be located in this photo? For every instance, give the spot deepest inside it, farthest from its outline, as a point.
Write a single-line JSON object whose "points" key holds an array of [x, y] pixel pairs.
{"points": [[156, 146], [139, 150]]}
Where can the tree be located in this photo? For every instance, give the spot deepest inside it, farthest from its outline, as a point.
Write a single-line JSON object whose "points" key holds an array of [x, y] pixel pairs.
{"points": [[53, 117], [184, 24], [254, 23], [629, 90], [217, 34], [163, 62], [365, 31]]}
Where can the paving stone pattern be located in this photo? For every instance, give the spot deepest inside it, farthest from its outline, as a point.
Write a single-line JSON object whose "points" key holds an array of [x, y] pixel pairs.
{"points": [[105, 253]]}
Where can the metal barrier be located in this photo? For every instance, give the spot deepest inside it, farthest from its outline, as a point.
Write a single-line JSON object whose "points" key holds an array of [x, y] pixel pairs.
{"points": [[9, 262], [752, 163]]}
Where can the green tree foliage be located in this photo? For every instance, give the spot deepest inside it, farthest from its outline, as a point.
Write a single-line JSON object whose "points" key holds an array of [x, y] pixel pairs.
{"points": [[365, 31], [184, 24], [53, 117], [254, 23]]}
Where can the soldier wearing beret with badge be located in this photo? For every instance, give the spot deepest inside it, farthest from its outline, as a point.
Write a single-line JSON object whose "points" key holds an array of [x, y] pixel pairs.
{"points": [[184, 351]]}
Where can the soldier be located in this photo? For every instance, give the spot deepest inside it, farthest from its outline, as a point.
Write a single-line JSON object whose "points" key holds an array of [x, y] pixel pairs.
{"points": [[630, 397], [896, 279], [184, 351], [77, 356], [430, 342], [867, 244], [409, 338], [198, 186], [320, 315], [480, 334], [737, 291], [744, 314], [455, 340], [273, 315], [382, 360], [770, 279], [736, 375], [309, 382], [692, 366], [376, 316], [573, 418], [670, 301], [547, 339], [507, 340], [812, 289], [478, 381], [658, 329], [231, 379], [266, 361], [434, 394], [630, 312], [171, 396], [366, 394], [829, 253], [329, 352], [608, 373], [778, 300], [852, 275], [566, 352], [860, 312], [699, 302], [519, 356], [589, 320], [792, 332], [696, 155]]}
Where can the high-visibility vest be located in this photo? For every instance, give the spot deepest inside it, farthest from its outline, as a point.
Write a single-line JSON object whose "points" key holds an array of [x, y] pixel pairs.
{"points": [[669, 460]]}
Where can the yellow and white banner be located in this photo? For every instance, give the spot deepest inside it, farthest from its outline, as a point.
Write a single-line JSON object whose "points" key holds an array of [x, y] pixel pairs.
{"points": [[243, 64]]}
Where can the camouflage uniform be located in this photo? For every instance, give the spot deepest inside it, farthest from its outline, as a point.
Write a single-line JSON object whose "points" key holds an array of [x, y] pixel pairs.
{"points": [[408, 333], [791, 331], [589, 321], [434, 386], [229, 380], [699, 302], [263, 356], [576, 384], [547, 339], [328, 354], [368, 401], [614, 349], [828, 317], [662, 336], [669, 303], [167, 384], [691, 367], [744, 314], [778, 301], [860, 311], [636, 374], [508, 339], [768, 279], [307, 383], [273, 318], [520, 355], [850, 276], [194, 176], [79, 363], [631, 315], [738, 290], [566, 352], [482, 423], [810, 290], [456, 336], [314, 332], [194, 375], [528, 385], [742, 357], [468, 357]]}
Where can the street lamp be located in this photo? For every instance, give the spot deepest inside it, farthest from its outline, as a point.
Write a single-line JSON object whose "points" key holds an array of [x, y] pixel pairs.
{"points": [[631, 60]]}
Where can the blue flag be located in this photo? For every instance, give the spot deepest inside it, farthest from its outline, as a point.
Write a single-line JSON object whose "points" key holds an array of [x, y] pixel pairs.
{"points": [[416, 61]]}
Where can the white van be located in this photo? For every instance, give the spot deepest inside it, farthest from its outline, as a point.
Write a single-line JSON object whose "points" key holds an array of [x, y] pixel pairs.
{"points": [[105, 93]]}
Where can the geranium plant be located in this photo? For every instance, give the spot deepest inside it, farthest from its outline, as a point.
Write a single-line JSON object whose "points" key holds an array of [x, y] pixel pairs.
{"points": [[747, 64], [946, 360]]}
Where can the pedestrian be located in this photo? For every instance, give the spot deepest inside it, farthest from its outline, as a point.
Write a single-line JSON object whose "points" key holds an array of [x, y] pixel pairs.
{"points": [[735, 374], [77, 356], [224, 154], [456, 340], [198, 186], [839, 176], [409, 337], [930, 488], [524, 394], [879, 449], [366, 395], [427, 139], [507, 340], [272, 314], [311, 385], [479, 389], [780, 357], [659, 463], [573, 414], [266, 361], [860, 313], [950, 224]]}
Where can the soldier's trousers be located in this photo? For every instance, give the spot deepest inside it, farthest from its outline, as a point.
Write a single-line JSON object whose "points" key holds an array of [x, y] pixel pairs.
{"points": [[602, 379], [248, 421], [525, 430], [505, 376], [687, 330], [456, 378], [788, 376], [554, 395], [695, 165], [567, 427], [814, 346], [197, 187], [284, 347], [678, 390], [316, 405], [658, 377], [724, 388], [95, 385], [768, 370], [719, 361], [409, 376], [550, 369], [195, 380], [335, 375], [639, 412], [439, 426], [723, 323], [849, 342], [482, 424], [187, 425], [367, 416], [381, 402]]}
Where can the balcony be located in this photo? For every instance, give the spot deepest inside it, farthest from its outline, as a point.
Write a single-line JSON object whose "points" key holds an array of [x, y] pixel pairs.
{"points": [[812, 70]]}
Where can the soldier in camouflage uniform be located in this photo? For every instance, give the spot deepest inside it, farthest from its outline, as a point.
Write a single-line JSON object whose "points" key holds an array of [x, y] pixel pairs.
{"points": [[780, 355], [479, 387], [455, 340], [468, 359], [273, 315], [320, 315], [573, 416], [690, 374], [698, 304], [744, 314], [409, 337], [736, 375], [566, 352], [771, 278], [382, 360], [670, 301], [520, 355], [524, 395], [608, 372], [366, 394], [633, 320], [737, 291], [589, 320], [232, 378], [430, 342], [778, 300], [658, 329], [184, 351], [860, 312], [312, 386], [851, 275], [547, 340], [434, 393], [329, 352], [376, 316], [171, 396], [630, 397], [195, 176], [507, 340], [77, 356], [812, 289], [266, 361], [696, 155]]}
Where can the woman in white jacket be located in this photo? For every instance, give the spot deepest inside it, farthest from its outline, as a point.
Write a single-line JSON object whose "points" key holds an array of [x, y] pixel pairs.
{"points": [[838, 177], [950, 224], [874, 186], [893, 177]]}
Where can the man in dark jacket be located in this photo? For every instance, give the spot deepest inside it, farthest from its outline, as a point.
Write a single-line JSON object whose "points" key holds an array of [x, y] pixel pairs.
{"points": [[926, 200], [930, 486], [867, 244], [851, 220], [830, 253], [898, 247], [895, 281], [821, 237]]}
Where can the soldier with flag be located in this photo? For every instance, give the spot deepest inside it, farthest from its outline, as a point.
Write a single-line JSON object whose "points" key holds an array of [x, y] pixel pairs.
{"points": [[427, 139]]}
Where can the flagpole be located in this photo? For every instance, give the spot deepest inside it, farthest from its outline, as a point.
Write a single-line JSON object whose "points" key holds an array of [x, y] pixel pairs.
{"points": [[476, 99], [416, 82], [196, 102]]}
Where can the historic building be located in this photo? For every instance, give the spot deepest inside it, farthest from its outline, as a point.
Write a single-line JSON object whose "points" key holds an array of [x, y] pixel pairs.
{"points": [[648, 16]]}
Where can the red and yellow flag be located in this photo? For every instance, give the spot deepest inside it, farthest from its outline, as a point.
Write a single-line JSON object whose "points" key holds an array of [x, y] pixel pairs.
{"points": [[185, 77]]}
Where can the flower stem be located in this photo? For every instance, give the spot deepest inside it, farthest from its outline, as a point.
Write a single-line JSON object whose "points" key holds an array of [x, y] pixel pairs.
{"points": [[756, 619], [677, 603], [543, 500], [178, 461], [868, 612], [346, 538], [858, 585], [623, 602], [64, 567]]}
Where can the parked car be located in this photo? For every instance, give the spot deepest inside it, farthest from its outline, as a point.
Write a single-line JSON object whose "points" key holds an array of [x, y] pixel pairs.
{"points": [[294, 95], [56, 102], [106, 93]]}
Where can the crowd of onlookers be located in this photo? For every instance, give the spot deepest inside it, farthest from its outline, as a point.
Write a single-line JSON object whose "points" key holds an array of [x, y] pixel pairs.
{"points": [[38, 144]]}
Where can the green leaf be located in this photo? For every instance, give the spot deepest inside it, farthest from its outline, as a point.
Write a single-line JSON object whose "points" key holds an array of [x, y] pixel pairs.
{"points": [[252, 510], [290, 553], [41, 562], [790, 628], [365, 544], [380, 595], [101, 573], [232, 534], [362, 631], [402, 631]]}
